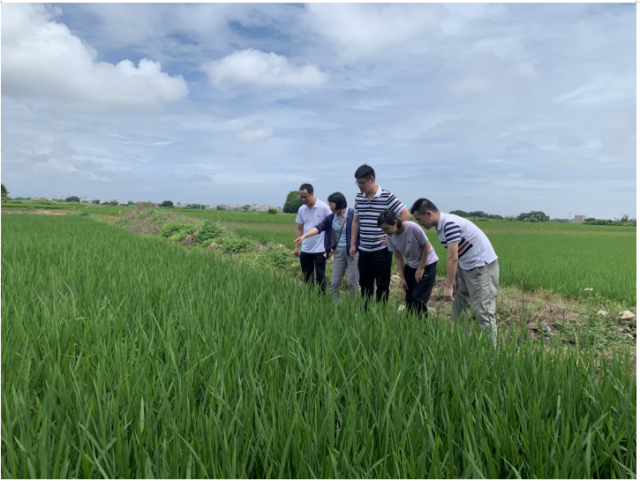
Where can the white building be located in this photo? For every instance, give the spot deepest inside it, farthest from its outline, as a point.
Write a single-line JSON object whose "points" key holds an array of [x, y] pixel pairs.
{"points": [[579, 219]]}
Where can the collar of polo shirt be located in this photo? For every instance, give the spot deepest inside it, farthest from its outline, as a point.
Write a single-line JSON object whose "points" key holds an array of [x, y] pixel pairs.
{"points": [[440, 221], [377, 194]]}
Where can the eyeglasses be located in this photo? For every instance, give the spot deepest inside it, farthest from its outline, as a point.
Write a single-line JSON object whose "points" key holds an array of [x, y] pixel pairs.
{"points": [[360, 184]]}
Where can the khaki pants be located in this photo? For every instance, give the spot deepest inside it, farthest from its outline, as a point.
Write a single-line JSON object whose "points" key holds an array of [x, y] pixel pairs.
{"points": [[478, 288], [341, 263]]}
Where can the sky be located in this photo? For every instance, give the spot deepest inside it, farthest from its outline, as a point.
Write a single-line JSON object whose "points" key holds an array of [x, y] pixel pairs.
{"points": [[504, 108]]}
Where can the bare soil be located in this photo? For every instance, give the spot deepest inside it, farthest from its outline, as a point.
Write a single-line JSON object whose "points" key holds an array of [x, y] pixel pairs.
{"points": [[35, 212]]}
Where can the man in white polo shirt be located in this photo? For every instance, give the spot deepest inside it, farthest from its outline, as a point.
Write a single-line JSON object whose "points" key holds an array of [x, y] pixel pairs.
{"points": [[475, 283], [418, 275], [375, 259], [311, 213]]}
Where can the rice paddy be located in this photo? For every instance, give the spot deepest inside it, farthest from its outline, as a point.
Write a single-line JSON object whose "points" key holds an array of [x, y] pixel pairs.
{"points": [[129, 356]]}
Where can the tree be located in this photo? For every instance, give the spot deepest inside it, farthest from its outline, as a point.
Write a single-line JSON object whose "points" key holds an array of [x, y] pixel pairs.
{"points": [[113, 202], [625, 218], [221, 207], [272, 210], [5, 192], [459, 213], [293, 202], [166, 203], [131, 203], [178, 204], [245, 208], [539, 216], [72, 198], [96, 201]]}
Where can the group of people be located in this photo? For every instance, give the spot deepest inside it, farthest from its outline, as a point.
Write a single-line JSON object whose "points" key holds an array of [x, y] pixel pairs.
{"points": [[364, 240]]}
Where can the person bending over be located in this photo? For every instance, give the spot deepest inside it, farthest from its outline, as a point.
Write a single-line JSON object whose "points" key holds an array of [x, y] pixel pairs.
{"points": [[472, 264], [418, 275]]}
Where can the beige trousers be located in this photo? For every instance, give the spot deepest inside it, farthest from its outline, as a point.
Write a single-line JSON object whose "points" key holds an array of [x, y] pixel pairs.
{"points": [[478, 289]]}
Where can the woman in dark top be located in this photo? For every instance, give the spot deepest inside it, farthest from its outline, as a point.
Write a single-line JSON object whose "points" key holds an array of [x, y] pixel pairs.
{"points": [[337, 237]]}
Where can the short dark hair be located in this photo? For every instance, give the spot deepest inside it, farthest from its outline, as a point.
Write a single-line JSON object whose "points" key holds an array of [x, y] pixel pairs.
{"points": [[338, 199], [388, 217], [307, 187], [365, 172], [423, 205]]}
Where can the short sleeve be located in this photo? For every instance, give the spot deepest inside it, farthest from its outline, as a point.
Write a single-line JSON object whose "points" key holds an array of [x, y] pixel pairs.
{"points": [[355, 207], [419, 234], [390, 245], [299, 218], [394, 204], [451, 232]]}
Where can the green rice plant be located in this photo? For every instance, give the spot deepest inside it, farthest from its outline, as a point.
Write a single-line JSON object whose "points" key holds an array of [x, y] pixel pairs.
{"points": [[129, 356]]}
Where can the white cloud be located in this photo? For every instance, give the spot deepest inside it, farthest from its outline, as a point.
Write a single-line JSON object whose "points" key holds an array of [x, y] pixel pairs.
{"points": [[42, 58], [570, 141], [570, 161], [360, 30], [254, 135], [521, 146], [199, 178], [147, 188], [253, 67]]}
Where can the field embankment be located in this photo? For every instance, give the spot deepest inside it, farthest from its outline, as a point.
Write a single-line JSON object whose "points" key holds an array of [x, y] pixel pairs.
{"points": [[129, 356]]}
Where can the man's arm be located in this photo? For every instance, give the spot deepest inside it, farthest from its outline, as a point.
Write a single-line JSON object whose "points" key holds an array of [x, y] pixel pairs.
{"points": [[405, 215], [355, 229], [299, 231], [400, 266], [311, 233], [452, 270]]}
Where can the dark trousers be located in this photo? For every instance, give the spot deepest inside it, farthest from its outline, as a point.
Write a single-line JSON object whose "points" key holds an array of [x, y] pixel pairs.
{"points": [[309, 262], [418, 293], [375, 266]]}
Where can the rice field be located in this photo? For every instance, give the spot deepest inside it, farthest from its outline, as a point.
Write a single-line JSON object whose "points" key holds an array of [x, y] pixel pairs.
{"points": [[128, 356], [565, 258]]}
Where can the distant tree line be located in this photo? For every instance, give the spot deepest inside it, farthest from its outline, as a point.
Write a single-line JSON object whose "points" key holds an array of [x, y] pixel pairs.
{"points": [[194, 206], [624, 220], [476, 213], [533, 216]]}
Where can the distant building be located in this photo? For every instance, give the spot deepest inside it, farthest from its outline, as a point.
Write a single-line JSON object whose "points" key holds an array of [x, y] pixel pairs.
{"points": [[579, 219]]}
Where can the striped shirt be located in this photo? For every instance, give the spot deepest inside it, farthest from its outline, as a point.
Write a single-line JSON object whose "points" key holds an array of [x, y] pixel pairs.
{"points": [[368, 212], [474, 247]]}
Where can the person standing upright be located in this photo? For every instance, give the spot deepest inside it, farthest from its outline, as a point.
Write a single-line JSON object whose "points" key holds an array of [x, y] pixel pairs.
{"points": [[375, 259], [312, 258], [473, 272], [337, 229]]}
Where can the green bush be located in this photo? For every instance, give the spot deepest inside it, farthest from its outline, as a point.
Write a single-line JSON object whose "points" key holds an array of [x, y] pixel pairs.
{"points": [[177, 227], [277, 256], [179, 237], [237, 245], [211, 231]]}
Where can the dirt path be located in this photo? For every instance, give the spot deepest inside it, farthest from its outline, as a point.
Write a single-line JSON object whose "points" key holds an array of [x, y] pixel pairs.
{"points": [[35, 212]]}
